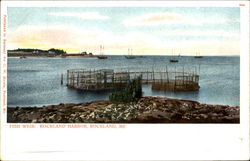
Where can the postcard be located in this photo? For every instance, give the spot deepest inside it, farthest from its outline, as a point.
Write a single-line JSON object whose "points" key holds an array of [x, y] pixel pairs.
{"points": [[124, 80]]}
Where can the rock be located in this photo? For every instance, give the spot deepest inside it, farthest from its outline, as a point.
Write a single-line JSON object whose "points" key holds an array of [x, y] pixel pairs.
{"points": [[147, 110], [34, 121], [198, 106], [214, 114], [203, 116]]}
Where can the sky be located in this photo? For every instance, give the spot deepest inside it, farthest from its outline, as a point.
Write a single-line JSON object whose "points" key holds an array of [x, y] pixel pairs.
{"points": [[146, 30]]}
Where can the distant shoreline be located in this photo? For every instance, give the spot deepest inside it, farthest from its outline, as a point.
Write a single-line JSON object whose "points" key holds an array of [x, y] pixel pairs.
{"points": [[49, 56], [124, 55], [24, 53]]}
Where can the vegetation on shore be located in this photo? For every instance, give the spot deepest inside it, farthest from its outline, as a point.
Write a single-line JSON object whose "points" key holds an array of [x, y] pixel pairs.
{"points": [[56, 51], [26, 52], [132, 92]]}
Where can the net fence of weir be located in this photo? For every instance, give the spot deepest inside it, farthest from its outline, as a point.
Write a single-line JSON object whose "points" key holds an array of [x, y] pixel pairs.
{"points": [[125, 75], [104, 79]]}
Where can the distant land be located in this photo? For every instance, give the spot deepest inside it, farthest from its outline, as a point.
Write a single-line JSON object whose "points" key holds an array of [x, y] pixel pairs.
{"points": [[23, 53]]}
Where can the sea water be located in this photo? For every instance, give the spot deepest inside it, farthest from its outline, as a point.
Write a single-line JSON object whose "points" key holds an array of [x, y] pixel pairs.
{"points": [[37, 81]]}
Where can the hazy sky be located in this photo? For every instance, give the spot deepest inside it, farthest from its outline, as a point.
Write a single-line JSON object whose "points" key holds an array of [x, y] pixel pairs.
{"points": [[147, 30]]}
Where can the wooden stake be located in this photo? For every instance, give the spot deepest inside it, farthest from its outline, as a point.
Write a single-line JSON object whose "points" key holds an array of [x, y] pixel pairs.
{"points": [[73, 80], [167, 73], [147, 76], [61, 79], [67, 77], [78, 79], [183, 76]]}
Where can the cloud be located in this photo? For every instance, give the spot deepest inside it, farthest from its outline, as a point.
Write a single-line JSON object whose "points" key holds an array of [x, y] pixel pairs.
{"points": [[82, 15], [159, 18], [74, 39], [202, 34], [28, 34], [163, 18]]}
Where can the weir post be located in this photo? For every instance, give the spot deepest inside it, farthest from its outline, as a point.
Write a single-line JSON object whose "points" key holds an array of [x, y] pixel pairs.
{"points": [[153, 76], [73, 79], [183, 75], [161, 77], [147, 76], [167, 73], [67, 77], [78, 79], [61, 79]]}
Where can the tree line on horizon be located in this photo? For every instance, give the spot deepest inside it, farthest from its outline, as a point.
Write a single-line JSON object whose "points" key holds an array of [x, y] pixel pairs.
{"points": [[56, 51]]}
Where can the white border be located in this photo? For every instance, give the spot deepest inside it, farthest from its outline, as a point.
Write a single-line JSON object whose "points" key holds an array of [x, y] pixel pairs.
{"points": [[123, 3], [137, 141], [3, 85]]}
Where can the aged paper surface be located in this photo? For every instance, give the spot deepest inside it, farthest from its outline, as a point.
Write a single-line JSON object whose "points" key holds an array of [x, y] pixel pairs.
{"points": [[60, 59]]}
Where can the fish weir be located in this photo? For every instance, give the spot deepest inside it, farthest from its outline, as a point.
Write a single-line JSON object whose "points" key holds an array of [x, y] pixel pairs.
{"points": [[106, 79]]}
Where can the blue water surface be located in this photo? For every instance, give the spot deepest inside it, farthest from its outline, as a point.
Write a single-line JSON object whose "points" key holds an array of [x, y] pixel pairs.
{"points": [[36, 81]]}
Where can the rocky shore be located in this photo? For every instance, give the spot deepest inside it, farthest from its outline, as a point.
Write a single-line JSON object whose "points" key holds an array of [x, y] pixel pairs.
{"points": [[146, 110]]}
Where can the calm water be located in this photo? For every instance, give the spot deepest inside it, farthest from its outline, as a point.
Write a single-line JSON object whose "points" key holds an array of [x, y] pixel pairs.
{"points": [[36, 81]]}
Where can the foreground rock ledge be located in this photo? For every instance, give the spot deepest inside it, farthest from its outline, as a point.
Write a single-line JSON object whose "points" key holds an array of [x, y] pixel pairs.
{"points": [[146, 110]]}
